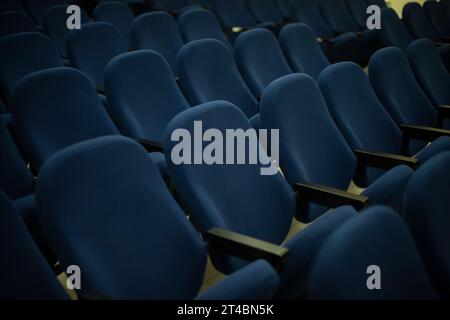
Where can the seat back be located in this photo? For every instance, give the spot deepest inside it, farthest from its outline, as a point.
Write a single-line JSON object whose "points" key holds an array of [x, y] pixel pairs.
{"points": [[338, 16], [393, 33], [417, 23], [118, 14], [376, 238], [357, 9], [425, 209], [54, 24], [37, 9], [199, 24], [301, 49], [15, 22], [208, 72], [312, 149], [157, 31], [308, 12], [91, 48], [238, 197], [233, 13], [123, 227], [437, 17], [260, 59], [55, 108], [285, 7], [430, 71], [25, 273], [265, 10], [167, 5], [143, 95]]}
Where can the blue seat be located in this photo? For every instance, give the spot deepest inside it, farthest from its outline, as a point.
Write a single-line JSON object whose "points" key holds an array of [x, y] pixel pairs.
{"points": [[438, 18], [54, 25], [92, 47], [285, 7], [376, 237], [15, 22], [393, 32], [157, 31], [364, 121], [199, 24], [12, 5], [172, 6], [425, 211], [393, 80], [118, 14], [301, 49], [145, 228], [265, 11], [358, 10], [25, 273], [260, 59], [312, 150], [337, 47], [22, 54], [240, 199], [208, 72], [37, 9], [143, 95], [430, 71]]}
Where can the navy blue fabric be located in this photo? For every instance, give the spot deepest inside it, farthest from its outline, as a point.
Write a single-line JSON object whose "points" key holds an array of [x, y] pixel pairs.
{"points": [[397, 88], [380, 3], [285, 7], [358, 10], [118, 14], [208, 72], [378, 237], [55, 108], [393, 33], [430, 71], [233, 13], [417, 23], [167, 5], [157, 31], [11, 5], [438, 18], [265, 10], [15, 22], [92, 47], [22, 54], [54, 25], [206, 3], [142, 94], [25, 273], [301, 49], [260, 59], [257, 281], [201, 24], [37, 8], [425, 210], [15, 178]]}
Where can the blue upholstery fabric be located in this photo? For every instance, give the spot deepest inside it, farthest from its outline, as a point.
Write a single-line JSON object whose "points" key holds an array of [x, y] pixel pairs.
{"points": [[25, 273], [118, 14], [15, 178], [378, 237], [285, 7], [22, 54], [167, 5], [157, 31], [260, 59], [260, 283], [142, 94], [208, 72], [240, 199], [206, 3], [233, 13], [99, 37], [417, 23], [201, 24], [438, 18], [265, 10], [126, 190], [55, 108], [301, 49], [425, 210], [37, 9], [393, 32], [54, 25], [15, 22], [357, 9], [430, 71]]}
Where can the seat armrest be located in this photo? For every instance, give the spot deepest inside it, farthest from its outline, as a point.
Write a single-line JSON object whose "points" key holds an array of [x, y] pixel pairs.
{"points": [[329, 197], [384, 160], [150, 146], [444, 111], [423, 133], [245, 247]]}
